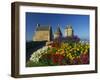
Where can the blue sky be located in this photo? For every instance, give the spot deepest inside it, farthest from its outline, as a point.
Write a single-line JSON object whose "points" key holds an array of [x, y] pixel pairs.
{"points": [[80, 23]]}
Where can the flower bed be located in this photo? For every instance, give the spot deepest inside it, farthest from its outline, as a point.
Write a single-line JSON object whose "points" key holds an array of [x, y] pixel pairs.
{"points": [[60, 54]]}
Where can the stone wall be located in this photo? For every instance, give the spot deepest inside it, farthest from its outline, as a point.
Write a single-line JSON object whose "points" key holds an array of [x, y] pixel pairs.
{"points": [[41, 36]]}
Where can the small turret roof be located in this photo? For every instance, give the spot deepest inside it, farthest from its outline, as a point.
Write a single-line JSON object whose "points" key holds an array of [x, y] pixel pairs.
{"points": [[68, 26]]}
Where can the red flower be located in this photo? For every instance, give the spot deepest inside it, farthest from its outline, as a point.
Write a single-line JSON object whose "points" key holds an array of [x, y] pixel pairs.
{"points": [[57, 58], [53, 45], [84, 58]]}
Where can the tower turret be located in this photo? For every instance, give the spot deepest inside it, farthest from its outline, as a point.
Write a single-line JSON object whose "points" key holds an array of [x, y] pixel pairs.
{"points": [[58, 33], [69, 31]]}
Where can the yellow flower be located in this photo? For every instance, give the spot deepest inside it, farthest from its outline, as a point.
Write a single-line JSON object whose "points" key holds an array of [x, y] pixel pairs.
{"points": [[77, 49], [81, 51], [71, 58]]}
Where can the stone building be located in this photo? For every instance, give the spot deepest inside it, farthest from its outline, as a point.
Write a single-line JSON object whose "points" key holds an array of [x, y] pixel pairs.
{"points": [[69, 31], [43, 33], [58, 32]]}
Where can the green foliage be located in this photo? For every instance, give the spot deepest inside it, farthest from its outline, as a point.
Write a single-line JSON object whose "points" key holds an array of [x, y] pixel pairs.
{"points": [[33, 64]]}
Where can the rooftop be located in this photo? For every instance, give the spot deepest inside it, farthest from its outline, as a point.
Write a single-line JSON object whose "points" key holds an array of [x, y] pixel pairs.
{"points": [[58, 31], [68, 26], [43, 27]]}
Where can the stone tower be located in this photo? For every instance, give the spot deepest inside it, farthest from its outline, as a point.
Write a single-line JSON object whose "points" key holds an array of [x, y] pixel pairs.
{"points": [[58, 33], [43, 33], [69, 31]]}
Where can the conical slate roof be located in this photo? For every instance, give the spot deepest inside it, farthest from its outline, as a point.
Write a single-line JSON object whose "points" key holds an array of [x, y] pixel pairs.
{"points": [[58, 31]]}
